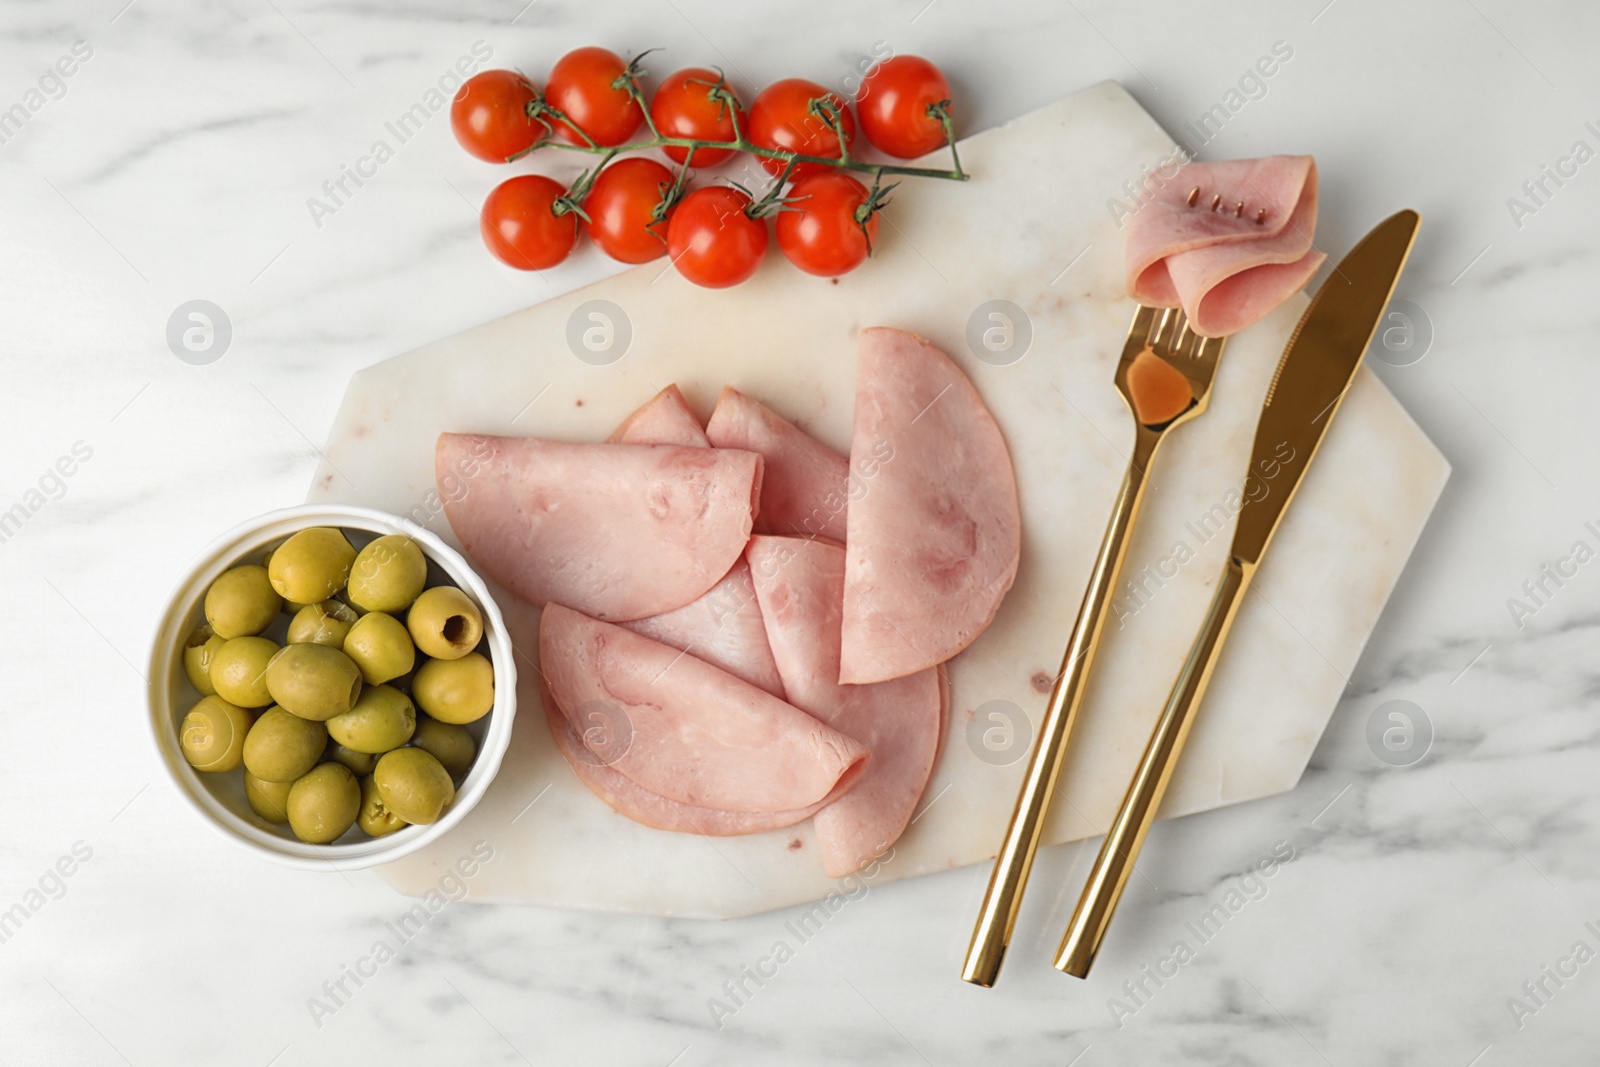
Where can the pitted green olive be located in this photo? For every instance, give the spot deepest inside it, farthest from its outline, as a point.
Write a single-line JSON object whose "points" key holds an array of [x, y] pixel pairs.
{"points": [[269, 800], [239, 671], [455, 691], [324, 623], [388, 574], [213, 734], [359, 762], [312, 565], [314, 681], [451, 745], [281, 747], [413, 785], [241, 602], [445, 623], [379, 644], [323, 804], [198, 651], [375, 818], [382, 719]]}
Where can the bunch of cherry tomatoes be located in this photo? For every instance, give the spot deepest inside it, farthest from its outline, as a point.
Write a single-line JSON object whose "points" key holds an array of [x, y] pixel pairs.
{"points": [[637, 208]]}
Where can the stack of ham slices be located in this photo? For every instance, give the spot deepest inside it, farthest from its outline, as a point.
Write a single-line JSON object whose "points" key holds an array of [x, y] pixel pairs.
{"points": [[742, 628]]}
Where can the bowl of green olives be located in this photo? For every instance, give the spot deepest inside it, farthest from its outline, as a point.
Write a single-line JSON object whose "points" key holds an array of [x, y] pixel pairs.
{"points": [[332, 684]]}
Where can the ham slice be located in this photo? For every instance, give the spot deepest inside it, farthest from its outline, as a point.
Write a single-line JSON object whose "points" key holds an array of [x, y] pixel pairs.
{"points": [[617, 531], [805, 485], [627, 797], [724, 626], [934, 538], [1241, 248], [690, 732], [801, 586], [665, 420]]}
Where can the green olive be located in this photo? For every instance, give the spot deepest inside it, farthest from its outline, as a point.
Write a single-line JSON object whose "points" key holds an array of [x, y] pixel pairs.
{"points": [[358, 762], [241, 602], [382, 719], [198, 651], [323, 623], [445, 623], [312, 565], [281, 747], [456, 691], [388, 574], [323, 803], [213, 733], [451, 745], [413, 785], [376, 819], [314, 681], [239, 671], [269, 800], [380, 646]]}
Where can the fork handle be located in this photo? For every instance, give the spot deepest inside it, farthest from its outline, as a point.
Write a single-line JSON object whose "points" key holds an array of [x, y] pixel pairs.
{"points": [[1125, 837], [1014, 861]]}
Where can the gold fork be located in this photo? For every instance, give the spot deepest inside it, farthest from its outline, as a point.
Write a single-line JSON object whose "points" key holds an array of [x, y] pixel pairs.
{"points": [[1165, 376]]}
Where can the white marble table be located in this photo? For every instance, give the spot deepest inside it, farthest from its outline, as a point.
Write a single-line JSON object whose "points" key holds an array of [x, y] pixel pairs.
{"points": [[1425, 907]]}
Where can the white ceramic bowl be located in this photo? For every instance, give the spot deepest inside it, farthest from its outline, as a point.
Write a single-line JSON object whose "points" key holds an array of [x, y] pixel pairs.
{"points": [[219, 798]]}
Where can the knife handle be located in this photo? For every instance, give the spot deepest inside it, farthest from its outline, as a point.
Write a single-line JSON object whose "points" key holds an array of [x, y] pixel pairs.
{"points": [[1125, 837], [1014, 861]]}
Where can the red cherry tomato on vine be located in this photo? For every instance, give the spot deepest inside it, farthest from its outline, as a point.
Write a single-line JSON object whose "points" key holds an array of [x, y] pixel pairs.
{"points": [[712, 241], [782, 118], [894, 100], [620, 205], [520, 227], [490, 115], [684, 107], [819, 231], [584, 86]]}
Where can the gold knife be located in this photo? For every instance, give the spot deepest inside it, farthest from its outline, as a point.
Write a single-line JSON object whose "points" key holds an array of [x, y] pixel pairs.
{"points": [[1316, 370]]}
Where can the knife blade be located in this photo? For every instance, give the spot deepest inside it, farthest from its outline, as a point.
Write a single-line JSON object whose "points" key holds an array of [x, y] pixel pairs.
{"points": [[1315, 372]]}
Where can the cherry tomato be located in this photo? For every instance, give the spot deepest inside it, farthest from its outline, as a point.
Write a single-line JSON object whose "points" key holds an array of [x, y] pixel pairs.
{"points": [[520, 227], [620, 205], [684, 107], [781, 118], [582, 86], [712, 241], [894, 100], [490, 115], [819, 233]]}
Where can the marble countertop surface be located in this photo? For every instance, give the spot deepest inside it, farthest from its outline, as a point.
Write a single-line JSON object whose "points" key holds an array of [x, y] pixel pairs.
{"points": [[1433, 899]]}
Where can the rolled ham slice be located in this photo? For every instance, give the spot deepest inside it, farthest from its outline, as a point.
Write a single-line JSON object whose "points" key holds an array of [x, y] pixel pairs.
{"points": [[935, 535], [804, 489], [1228, 242], [666, 419], [627, 797], [687, 731], [801, 586], [617, 531]]}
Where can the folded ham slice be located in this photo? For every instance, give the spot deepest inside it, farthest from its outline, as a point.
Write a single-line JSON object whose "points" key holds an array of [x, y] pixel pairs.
{"points": [[617, 531], [627, 797], [690, 732], [935, 535], [665, 420], [805, 485], [801, 586], [724, 626], [1226, 241]]}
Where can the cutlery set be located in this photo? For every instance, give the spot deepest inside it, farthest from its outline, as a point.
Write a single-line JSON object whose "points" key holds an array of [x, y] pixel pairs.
{"points": [[1165, 376]]}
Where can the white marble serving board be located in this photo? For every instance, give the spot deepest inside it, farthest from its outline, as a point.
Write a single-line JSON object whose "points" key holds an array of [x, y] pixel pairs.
{"points": [[1033, 227]]}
